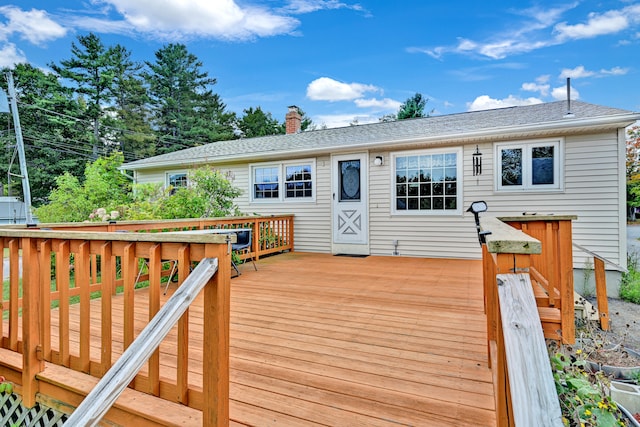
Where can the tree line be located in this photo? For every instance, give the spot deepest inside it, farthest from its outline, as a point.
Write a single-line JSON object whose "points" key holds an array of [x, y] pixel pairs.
{"points": [[100, 100]]}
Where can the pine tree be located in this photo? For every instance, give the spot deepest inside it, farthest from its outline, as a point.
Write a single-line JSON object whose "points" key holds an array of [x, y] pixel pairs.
{"points": [[91, 70], [186, 112], [413, 107]]}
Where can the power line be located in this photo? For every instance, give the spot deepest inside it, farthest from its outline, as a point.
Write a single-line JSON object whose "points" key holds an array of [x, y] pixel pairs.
{"points": [[176, 140]]}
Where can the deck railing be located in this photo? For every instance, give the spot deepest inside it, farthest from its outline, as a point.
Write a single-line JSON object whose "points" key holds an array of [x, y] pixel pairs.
{"points": [[111, 386], [271, 234], [523, 383], [58, 268]]}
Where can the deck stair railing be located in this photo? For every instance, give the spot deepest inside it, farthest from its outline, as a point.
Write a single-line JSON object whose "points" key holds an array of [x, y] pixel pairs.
{"points": [[551, 271], [525, 393], [52, 270], [601, 283]]}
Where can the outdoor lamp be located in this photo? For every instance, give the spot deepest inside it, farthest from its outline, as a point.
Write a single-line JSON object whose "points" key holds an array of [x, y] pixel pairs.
{"points": [[378, 161], [475, 209]]}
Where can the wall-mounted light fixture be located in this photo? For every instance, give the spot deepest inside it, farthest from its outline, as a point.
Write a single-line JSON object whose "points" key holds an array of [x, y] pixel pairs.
{"points": [[378, 161], [477, 162]]}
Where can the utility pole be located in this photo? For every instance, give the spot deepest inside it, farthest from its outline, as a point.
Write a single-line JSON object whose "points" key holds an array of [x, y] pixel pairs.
{"points": [[26, 190]]}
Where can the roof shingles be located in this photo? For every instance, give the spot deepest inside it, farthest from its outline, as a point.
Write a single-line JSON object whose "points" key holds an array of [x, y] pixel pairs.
{"points": [[380, 133]]}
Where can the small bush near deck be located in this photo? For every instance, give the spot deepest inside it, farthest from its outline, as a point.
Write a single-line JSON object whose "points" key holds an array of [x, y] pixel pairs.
{"points": [[630, 283]]}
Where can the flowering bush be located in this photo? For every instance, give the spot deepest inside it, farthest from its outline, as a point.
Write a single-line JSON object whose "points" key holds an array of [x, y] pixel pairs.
{"points": [[584, 396], [101, 214]]}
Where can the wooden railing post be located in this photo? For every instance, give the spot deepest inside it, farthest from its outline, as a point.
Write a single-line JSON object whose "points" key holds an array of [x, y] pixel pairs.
{"points": [[82, 263], [601, 293], [107, 265], [565, 266], [215, 370], [14, 276], [32, 349], [255, 244], [291, 236]]}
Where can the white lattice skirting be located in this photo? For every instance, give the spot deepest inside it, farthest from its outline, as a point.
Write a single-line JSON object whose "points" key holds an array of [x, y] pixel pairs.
{"points": [[13, 413]]}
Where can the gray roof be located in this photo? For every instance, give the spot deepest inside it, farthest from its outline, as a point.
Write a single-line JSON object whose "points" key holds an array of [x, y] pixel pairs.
{"points": [[532, 120]]}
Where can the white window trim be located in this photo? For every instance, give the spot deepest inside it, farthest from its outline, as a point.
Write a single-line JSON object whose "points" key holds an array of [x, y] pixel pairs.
{"points": [[526, 146], [178, 172], [459, 182], [282, 198]]}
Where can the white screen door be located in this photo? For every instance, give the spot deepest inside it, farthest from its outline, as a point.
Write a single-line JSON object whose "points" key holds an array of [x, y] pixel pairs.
{"points": [[350, 213]]}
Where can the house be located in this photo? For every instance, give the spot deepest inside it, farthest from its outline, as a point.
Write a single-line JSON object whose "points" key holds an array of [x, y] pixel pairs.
{"points": [[402, 188]]}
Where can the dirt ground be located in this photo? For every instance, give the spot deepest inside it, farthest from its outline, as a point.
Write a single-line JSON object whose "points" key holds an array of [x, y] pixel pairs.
{"points": [[625, 323]]}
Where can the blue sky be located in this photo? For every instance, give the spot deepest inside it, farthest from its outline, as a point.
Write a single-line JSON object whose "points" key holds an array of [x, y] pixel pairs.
{"points": [[342, 61]]}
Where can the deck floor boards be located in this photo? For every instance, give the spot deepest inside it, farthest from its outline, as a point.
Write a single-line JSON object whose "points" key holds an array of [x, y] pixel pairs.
{"points": [[323, 340]]}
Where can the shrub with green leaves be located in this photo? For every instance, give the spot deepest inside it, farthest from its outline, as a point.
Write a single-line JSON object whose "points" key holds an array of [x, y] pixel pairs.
{"points": [[106, 190], [209, 194], [630, 283], [104, 186], [584, 396]]}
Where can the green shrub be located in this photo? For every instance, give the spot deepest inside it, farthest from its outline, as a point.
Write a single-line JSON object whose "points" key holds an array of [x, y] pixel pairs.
{"points": [[584, 395], [630, 283]]}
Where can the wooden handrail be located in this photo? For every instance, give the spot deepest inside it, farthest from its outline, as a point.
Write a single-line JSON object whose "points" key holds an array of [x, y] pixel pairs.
{"points": [[272, 233], [512, 315], [532, 389], [109, 388]]}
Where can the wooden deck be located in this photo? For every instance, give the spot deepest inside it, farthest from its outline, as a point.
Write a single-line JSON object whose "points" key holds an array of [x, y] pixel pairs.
{"points": [[325, 340]]}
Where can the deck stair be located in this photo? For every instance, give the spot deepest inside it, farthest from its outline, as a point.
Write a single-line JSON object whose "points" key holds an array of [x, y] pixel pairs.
{"points": [[551, 271]]}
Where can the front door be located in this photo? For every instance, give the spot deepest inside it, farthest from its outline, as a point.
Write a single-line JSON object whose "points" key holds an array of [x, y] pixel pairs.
{"points": [[350, 210]]}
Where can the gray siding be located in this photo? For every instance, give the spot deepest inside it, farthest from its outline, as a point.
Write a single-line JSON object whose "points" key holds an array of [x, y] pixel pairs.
{"points": [[591, 174]]}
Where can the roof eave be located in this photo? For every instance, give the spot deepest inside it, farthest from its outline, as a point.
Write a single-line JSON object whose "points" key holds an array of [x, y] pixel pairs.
{"points": [[567, 126]]}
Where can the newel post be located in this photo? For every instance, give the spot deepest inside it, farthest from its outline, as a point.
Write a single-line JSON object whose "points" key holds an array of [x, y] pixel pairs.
{"points": [[32, 348], [215, 381]]}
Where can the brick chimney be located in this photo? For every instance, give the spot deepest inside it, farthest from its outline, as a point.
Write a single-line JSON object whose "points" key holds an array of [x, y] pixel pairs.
{"points": [[293, 120]]}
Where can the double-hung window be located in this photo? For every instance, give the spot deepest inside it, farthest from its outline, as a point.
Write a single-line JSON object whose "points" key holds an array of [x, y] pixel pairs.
{"points": [[286, 181], [427, 182], [266, 182], [177, 179], [298, 182], [529, 165]]}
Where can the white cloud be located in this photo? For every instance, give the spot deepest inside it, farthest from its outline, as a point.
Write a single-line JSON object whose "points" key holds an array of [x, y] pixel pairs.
{"points": [[381, 104], [543, 89], [580, 72], [223, 19], [308, 6], [559, 93], [575, 73], [540, 29], [485, 102], [327, 89], [615, 71], [610, 22], [34, 25], [10, 55]]}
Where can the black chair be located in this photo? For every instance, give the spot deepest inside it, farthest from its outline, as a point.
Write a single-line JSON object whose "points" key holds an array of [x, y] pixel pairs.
{"points": [[243, 244]]}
